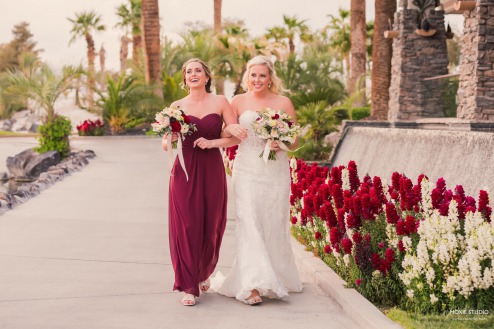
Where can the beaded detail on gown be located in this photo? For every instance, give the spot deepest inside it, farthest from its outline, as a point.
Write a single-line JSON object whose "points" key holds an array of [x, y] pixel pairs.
{"points": [[197, 208], [261, 192]]}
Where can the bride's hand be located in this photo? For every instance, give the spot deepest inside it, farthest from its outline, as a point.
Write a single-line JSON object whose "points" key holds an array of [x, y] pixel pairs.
{"points": [[164, 140], [204, 143], [274, 146], [236, 130]]}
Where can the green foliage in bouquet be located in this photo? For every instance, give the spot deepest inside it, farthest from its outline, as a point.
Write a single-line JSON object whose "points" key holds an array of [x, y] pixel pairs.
{"points": [[55, 136]]}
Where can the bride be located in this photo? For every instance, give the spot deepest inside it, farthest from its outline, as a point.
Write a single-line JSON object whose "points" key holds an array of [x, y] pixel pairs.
{"points": [[264, 263]]}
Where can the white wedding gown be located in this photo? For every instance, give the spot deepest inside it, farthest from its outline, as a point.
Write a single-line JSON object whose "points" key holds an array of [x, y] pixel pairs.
{"points": [[264, 259]]}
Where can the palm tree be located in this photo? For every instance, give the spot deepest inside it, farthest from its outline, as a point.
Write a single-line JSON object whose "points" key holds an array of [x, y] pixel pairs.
{"points": [[290, 30], [43, 85], [85, 23], [357, 50], [220, 82], [381, 59], [151, 31], [130, 17], [340, 37], [217, 16]]}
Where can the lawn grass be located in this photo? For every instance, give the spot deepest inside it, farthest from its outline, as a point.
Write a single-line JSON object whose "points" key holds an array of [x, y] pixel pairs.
{"points": [[449, 321]]}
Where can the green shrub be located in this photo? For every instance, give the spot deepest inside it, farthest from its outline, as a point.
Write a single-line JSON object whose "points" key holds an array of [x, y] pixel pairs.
{"points": [[358, 113], [55, 136]]}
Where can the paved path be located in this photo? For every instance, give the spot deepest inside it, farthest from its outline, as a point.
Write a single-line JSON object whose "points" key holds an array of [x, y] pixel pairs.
{"points": [[92, 252]]}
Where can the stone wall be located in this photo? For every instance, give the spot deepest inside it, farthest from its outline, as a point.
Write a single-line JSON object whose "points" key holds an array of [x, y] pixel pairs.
{"points": [[461, 157], [415, 58], [476, 89]]}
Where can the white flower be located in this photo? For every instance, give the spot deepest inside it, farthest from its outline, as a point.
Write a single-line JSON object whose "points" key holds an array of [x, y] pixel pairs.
{"points": [[434, 299], [346, 259], [345, 178], [410, 293]]}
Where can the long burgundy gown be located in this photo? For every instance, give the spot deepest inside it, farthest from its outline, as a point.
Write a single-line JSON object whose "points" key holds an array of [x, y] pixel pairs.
{"points": [[197, 208]]}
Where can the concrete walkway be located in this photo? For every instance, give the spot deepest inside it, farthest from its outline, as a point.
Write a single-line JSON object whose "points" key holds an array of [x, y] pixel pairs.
{"points": [[92, 252]]}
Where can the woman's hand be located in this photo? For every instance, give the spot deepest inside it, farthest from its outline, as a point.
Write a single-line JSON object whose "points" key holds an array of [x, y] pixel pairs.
{"points": [[236, 130], [204, 143], [164, 141], [274, 146]]}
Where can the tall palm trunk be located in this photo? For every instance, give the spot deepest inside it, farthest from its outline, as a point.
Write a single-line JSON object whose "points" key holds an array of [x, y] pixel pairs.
{"points": [[220, 82], [382, 51], [151, 39], [91, 55], [124, 52], [358, 50], [136, 45], [102, 60], [217, 16]]}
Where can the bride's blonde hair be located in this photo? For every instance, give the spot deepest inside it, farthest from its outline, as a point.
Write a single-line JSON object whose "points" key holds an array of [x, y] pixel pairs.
{"points": [[276, 83]]}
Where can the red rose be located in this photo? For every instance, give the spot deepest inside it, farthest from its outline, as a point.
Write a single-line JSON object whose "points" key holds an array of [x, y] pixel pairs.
{"points": [[186, 118], [276, 116], [175, 125]]}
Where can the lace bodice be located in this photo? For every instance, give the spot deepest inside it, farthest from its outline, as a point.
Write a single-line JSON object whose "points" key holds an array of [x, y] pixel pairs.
{"points": [[245, 120]]}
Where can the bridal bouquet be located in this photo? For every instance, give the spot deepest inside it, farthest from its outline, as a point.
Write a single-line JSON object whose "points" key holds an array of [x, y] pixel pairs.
{"points": [[172, 120], [275, 125]]}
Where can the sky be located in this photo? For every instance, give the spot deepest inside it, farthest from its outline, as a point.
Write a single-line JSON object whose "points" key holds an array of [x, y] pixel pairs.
{"points": [[51, 29]]}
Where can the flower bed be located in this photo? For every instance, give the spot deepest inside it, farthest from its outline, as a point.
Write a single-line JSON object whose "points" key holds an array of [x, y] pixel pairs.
{"points": [[419, 246], [91, 128]]}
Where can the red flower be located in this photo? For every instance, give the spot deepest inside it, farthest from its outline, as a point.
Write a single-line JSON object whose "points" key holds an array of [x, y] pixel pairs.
{"points": [[336, 176], [401, 247], [358, 282], [175, 125], [334, 235], [401, 228], [390, 255], [327, 249], [357, 237], [392, 216], [294, 220], [353, 176], [376, 261], [347, 244], [317, 235], [337, 194], [186, 118], [380, 245], [410, 225], [351, 221]]}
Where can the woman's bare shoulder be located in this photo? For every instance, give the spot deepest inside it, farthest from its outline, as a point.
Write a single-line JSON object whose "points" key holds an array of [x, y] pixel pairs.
{"points": [[178, 103]]}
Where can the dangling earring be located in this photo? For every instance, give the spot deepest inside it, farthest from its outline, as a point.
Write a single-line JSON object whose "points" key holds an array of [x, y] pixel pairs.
{"points": [[269, 85]]}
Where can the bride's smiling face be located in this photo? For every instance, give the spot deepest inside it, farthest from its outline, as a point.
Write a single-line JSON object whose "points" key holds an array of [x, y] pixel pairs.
{"points": [[259, 79], [195, 76]]}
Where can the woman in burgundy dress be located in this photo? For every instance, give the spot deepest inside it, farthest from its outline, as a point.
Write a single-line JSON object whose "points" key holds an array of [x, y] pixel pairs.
{"points": [[197, 207]]}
